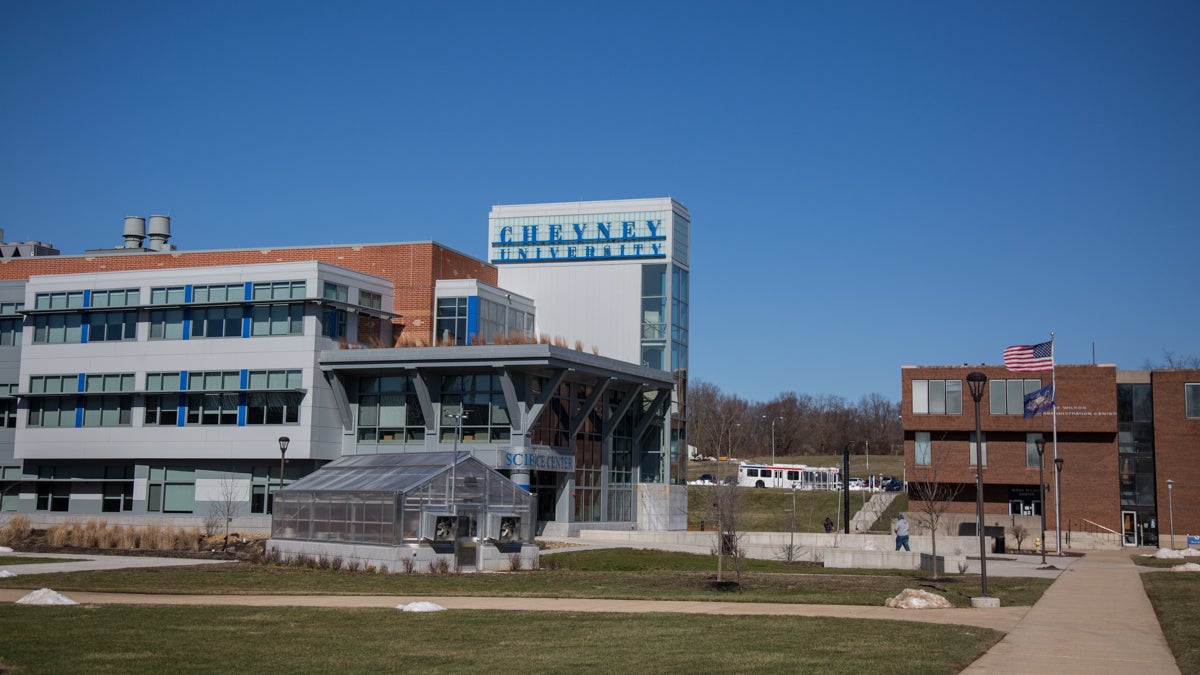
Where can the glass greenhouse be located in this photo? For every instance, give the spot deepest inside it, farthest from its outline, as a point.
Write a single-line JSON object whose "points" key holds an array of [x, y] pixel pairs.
{"points": [[406, 499]]}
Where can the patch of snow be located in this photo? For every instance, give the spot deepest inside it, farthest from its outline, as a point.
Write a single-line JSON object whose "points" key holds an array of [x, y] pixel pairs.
{"points": [[46, 596], [1167, 554], [911, 598], [1191, 551], [4, 574], [5, 549], [869, 545], [1186, 567], [421, 607]]}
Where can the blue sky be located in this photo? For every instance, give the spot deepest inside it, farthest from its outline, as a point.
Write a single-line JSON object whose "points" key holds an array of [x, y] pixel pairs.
{"points": [[872, 184]]}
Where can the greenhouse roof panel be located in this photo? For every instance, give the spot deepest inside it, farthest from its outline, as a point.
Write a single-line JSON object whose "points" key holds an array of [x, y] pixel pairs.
{"points": [[400, 472]]}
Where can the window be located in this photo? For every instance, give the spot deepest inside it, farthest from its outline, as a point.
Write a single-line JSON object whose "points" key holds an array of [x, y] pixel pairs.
{"points": [[481, 399], [975, 450], [1191, 395], [57, 328], [60, 300], [53, 384], [336, 292], [214, 322], [10, 332], [1007, 397], [922, 449], [217, 380], [278, 290], [106, 326], [109, 382], [166, 324], [273, 407], [173, 295], [333, 322], [54, 497], [8, 413], [389, 411], [369, 299], [937, 397], [1031, 454], [10, 308], [118, 497], [53, 411], [451, 321], [277, 319], [108, 410], [217, 408], [129, 297], [162, 409], [171, 489], [219, 293]]}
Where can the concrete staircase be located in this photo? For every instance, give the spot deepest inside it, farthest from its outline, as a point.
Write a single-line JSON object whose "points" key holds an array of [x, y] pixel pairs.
{"points": [[871, 511]]}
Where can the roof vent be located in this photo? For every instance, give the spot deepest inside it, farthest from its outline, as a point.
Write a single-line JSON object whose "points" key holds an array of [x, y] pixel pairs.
{"points": [[160, 232], [135, 231]]}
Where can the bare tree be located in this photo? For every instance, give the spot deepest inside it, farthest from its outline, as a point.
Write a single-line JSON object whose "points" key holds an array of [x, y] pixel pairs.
{"points": [[231, 495], [932, 499], [1172, 360], [726, 507]]}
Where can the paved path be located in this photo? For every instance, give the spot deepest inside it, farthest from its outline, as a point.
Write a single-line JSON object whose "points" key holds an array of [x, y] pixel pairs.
{"points": [[1094, 619]]}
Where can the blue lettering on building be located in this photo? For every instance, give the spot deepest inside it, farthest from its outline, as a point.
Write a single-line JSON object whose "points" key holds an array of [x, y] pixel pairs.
{"points": [[538, 461], [580, 241]]}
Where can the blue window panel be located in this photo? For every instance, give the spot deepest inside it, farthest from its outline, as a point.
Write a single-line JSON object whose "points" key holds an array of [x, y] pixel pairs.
{"points": [[183, 380], [243, 379], [87, 298], [80, 382], [187, 316], [242, 406], [246, 322], [83, 330], [472, 317], [187, 293], [249, 293], [79, 409]]}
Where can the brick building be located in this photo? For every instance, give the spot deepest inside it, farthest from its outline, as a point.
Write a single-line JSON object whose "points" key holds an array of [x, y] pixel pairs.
{"points": [[1120, 435]]}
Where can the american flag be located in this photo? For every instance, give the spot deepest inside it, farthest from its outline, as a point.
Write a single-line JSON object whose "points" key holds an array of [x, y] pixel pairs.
{"points": [[1029, 358]]}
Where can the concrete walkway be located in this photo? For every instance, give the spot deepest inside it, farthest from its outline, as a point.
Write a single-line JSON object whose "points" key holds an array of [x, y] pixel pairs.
{"points": [[1094, 619]]}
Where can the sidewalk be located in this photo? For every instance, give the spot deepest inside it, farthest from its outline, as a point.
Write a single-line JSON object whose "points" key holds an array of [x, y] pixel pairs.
{"points": [[1094, 619]]}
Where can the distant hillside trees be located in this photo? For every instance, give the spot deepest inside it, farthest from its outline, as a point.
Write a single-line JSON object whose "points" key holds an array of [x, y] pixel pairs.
{"points": [[721, 424]]}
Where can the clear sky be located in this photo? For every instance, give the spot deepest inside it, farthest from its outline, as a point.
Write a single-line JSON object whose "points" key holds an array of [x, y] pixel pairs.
{"points": [[872, 184]]}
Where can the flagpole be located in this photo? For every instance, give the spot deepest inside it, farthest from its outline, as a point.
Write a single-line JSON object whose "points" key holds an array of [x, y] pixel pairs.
{"points": [[1057, 483]]}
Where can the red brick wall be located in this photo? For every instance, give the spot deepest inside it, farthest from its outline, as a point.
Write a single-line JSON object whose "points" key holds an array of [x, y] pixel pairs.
{"points": [[1176, 455], [1087, 426], [412, 268]]}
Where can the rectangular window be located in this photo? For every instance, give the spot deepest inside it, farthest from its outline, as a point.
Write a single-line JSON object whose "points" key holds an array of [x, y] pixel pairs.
{"points": [[1007, 397], [108, 326], [212, 409], [923, 449], [59, 300], [274, 379], [333, 322], [127, 297], [107, 411], [8, 413], [451, 321], [166, 324], [162, 410], [11, 308], [937, 397], [278, 290], [215, 322], [975, 449], [273, 407], [215, 380], [118, 497], [173, 295], [369, 299], [162, 381], [53, 384], [277, 319], [10, 332], [54, 497], [1191, 395], [171, 489], [219, 293], [53, 411], [1031, 454], [337, 292], [57, 328], [109, 382]]}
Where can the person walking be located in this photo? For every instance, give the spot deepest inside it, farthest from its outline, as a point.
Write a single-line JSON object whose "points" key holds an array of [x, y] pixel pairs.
{"points": [[828, 525], [901, 533]]}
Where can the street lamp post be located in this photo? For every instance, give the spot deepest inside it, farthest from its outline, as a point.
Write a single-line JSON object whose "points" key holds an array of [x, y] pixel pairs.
{"points": [[846, 486], [283, 446], [1171, 510], [976, 382], [773, 420], [458, 418], [1058, 466], [1040, 444]]}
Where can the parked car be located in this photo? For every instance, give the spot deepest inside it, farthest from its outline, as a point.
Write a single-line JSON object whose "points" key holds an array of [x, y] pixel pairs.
{"points": [[707, 478], [893, 485], [858, 484]]}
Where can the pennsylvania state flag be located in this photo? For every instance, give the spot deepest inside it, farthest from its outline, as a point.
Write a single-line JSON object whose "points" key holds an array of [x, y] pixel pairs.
{"points": [[1039, 401]]}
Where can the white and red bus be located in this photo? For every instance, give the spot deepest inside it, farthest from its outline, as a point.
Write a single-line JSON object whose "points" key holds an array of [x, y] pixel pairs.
{"points": [[798, 476]]}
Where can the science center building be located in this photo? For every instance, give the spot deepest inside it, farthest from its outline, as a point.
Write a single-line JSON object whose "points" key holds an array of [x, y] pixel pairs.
{"points": [[145, 382]]}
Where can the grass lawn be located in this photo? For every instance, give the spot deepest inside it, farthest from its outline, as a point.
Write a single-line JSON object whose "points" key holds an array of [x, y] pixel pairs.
{"points": [[1161, 563], [608, 573], [1176, 600], [155, 639], [770, 510]]}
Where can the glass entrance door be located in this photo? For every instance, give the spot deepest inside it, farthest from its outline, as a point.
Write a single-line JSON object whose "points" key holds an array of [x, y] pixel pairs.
{"points": [[466, 540], [1129, 524]]}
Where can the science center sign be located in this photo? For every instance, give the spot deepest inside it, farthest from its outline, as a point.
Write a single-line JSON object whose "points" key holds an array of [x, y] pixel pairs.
{"points": [[514, 240]]}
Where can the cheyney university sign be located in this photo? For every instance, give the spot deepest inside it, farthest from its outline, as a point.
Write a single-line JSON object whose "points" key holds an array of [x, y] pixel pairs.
{"points": [[543, 239]]}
